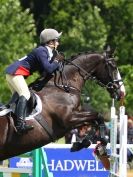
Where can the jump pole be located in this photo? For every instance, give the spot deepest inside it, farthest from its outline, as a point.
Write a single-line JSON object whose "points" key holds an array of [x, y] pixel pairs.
{"points": [[123, 143], [113, 141], [118, 166], [37, 163], [14, 172]]}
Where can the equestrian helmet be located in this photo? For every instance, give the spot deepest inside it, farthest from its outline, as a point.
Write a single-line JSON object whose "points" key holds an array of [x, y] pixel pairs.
{"points": [[48, 35]]}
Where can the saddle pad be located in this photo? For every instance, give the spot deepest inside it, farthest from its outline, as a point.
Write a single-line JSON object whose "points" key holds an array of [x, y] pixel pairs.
{"points": [[37, 110]]}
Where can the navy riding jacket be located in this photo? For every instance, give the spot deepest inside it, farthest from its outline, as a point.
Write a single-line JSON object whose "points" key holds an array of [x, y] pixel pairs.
{"points": [[37, 60]]}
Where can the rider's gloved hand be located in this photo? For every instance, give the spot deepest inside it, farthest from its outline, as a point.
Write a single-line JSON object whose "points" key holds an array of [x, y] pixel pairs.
{"points": [[59, 57]]}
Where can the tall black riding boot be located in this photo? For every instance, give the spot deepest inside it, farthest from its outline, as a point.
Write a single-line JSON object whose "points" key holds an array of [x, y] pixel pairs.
{"points": [[21, 125]]}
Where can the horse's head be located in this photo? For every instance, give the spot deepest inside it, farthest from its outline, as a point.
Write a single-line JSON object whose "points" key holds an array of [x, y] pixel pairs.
{"points": [[103, 69], [107, 75]]}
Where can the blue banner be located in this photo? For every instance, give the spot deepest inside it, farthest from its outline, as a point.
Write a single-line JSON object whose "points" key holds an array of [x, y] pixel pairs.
{"points": [[63, 163]]}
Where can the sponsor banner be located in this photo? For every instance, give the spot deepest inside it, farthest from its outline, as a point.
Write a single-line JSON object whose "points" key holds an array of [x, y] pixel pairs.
{"points": [[63, 163]]}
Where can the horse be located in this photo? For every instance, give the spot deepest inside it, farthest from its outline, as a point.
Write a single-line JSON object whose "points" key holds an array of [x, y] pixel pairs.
{"points": [[61, 109]]}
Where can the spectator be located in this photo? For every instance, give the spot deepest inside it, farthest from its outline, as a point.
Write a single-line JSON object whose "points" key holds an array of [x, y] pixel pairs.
{"points": [[130, 139], [130, 131]]}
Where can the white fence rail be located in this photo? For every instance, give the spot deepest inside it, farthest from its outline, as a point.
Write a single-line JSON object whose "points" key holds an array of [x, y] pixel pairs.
{"points": [[118, 133]]}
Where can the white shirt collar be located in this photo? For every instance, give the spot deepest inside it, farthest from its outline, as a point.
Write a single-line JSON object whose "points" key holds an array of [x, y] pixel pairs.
{"points": [[50, 51]]}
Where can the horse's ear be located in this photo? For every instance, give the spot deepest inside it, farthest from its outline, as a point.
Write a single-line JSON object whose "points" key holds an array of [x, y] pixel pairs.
{"points": [[109, 51]]}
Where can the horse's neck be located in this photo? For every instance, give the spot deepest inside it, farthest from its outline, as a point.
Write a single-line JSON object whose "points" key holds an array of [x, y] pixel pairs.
{"points": [[74, 77], [87, 62]]}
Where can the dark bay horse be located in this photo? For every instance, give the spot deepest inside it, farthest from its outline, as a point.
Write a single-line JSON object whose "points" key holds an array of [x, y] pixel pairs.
{"points": [[60, 108]]}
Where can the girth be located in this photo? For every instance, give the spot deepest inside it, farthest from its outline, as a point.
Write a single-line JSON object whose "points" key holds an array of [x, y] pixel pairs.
{"points": [[43, 122]]}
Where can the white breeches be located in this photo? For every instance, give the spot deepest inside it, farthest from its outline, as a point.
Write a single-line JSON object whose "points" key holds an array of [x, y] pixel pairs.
{"points": [[18, 84]]}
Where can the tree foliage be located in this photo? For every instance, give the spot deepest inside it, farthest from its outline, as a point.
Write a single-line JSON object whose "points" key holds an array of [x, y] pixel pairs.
{"points": [[127, 71], [118, 15], [82, 26], [17, 37]]}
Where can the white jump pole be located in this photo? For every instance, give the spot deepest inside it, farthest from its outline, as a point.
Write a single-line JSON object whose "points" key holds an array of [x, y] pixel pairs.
{"points": [[123, 143], [113, 142], [118, 165]]}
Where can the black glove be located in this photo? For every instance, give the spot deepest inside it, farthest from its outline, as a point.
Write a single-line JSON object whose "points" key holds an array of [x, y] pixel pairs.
{"points": [[60, 57]]}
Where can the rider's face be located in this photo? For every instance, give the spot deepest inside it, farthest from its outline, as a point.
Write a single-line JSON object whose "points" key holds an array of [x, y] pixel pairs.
{"points": [[54, 44]]}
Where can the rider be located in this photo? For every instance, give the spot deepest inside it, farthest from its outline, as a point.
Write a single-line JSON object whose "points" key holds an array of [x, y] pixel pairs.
{"points": [[38, 60]]}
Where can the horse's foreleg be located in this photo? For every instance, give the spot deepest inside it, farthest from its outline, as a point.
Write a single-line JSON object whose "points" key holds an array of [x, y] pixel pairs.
{"points": [[78, 118], [102, 130]]}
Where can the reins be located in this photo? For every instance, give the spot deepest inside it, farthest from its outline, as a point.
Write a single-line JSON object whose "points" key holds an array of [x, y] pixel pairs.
{"points": [[66, 87], [86, 75]]}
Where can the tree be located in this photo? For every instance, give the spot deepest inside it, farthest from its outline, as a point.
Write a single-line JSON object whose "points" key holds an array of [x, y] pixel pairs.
{"points": [[118, 15], [127, 71], [17, 31], [83, 28], [40, 10]]}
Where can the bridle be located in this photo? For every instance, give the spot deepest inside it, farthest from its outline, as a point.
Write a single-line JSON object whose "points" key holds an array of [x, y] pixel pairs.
{"points": [[110, 63], [89, 75], [112, 86]]}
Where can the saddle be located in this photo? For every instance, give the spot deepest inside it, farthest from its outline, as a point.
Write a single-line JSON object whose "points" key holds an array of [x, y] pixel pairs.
{"points": [[11, 106], [33, 111]]}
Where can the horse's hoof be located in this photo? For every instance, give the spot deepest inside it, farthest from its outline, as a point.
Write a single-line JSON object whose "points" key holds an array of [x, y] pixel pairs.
{"points": [[104, 141], [76, 146], [86, 143]]}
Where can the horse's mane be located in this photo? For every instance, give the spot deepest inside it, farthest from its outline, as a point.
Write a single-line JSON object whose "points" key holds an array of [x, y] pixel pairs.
{"points": [[74, 56], [43, 81]]}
